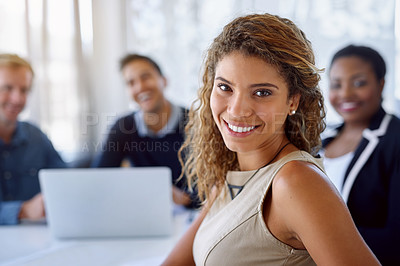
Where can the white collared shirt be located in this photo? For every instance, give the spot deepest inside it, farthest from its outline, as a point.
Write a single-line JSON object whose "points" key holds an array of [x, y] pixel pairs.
{"points": [[144, 131], [336, 168]]}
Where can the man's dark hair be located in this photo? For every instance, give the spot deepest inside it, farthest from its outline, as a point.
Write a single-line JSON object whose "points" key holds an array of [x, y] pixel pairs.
{"points": [[367, 54], [134, 57]]}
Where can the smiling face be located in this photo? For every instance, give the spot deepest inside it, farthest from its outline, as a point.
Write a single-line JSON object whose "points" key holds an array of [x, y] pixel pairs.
{"points": [[249, 103], [15, 83], [145, 84], [355, 91]]}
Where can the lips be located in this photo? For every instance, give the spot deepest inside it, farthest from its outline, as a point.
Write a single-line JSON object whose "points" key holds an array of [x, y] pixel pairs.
{"points": [[144, 97], [348, 106], [240, 128]]}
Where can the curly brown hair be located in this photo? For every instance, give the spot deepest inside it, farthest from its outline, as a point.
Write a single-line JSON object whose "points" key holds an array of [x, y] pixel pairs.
{"points": [[279, 42]]}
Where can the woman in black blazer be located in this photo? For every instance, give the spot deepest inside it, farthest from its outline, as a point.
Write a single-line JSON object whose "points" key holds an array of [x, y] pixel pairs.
{"points": [[362, 156]]}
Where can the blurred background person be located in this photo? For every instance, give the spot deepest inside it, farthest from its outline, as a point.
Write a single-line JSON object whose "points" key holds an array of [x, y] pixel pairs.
{"points": [[24, 149], [362, 156], [152, 135]]}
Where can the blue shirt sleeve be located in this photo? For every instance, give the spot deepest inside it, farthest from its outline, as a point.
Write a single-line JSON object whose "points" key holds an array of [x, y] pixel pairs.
{"points": [[20, 161], [9, 212]]}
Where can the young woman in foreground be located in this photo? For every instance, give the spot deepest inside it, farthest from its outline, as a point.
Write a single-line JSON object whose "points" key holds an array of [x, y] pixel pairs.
{"points": [[248, 149]]}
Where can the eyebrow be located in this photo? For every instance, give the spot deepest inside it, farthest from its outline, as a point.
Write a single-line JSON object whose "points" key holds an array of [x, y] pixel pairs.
{"points": [[266, 84], [358, 75], [355, 76]]}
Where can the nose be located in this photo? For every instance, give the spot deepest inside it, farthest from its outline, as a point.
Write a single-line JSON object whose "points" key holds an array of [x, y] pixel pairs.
{"points": [[346, 91], [239, 106]]}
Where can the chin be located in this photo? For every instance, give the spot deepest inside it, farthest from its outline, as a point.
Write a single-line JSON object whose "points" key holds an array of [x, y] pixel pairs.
{"points": [[350, 117], [148, 108], [10, 120], [235, 147], [11, 116]]}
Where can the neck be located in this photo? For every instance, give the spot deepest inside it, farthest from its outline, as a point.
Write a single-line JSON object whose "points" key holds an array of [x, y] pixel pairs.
{"points": [[7, 130], [355, 128], [159, 118], [350, 135], [269, 153]]}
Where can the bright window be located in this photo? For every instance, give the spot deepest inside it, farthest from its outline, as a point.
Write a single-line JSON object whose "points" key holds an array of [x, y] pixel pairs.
{"points": [[47, 33]]}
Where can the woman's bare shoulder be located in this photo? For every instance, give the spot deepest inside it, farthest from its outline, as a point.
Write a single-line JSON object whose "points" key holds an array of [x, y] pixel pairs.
{"points": [[301, 174], [302, 185], [312, 211]]}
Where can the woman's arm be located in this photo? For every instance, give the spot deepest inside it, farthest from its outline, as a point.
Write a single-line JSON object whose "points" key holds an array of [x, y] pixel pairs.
{"points": [[182, 253], [314, 215]]}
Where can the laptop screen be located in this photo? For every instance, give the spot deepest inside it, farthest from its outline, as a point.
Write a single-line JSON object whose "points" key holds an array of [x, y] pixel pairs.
{"points": [[108, 202]]}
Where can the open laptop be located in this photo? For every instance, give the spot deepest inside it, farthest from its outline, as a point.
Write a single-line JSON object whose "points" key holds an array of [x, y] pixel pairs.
{"points": [[108, 202]]}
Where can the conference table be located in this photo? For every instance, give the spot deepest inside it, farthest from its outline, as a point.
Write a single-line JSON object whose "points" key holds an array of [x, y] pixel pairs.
{"points": [[31, 243]]}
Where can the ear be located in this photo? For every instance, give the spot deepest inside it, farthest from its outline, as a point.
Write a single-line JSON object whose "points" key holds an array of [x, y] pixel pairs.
{"points": [[294, 103], [381, 85], [165, 82]]}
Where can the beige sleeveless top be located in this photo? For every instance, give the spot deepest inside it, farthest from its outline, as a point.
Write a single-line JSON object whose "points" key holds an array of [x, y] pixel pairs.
{"points": [[234, 231]]}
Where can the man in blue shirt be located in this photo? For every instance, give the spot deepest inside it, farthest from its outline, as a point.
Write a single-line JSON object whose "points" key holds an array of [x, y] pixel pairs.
{"points": [[152, 135], [24, 149]]}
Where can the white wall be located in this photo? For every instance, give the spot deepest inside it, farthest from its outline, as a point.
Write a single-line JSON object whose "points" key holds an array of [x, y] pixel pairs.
{"points": [[108, 94]]}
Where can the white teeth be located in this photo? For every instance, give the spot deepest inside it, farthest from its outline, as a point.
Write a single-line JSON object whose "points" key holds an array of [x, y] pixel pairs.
{"points": [[349, 105], [143, 96], [240, 129]]}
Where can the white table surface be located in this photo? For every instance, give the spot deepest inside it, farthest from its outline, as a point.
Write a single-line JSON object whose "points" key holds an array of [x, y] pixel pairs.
{"points": [[32, 244]]}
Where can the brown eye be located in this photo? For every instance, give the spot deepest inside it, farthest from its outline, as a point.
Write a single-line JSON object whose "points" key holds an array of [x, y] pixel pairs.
{"points": [[224, 87], [334, 86], [359, 83], [262, 93], [6, 88]]}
